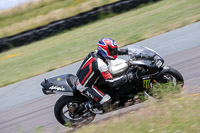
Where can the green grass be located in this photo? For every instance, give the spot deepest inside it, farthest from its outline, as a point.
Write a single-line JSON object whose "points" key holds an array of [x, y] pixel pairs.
{"points": [[38, 13], [74, 45], [168, 115]]}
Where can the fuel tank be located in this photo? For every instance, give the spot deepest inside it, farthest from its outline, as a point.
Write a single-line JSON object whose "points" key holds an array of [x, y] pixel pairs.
{"points": [[117, 67]]}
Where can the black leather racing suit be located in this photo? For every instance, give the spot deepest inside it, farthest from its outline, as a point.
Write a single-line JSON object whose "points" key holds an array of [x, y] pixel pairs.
{"points": [[91, 69]]}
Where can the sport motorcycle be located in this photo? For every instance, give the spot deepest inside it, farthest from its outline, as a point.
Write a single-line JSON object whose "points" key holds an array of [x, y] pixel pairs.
{"points": [[148, 69]]}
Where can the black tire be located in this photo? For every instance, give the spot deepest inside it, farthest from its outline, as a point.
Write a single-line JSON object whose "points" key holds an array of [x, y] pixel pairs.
{"points": [[177, 75], [171, 76], [61, 103]]}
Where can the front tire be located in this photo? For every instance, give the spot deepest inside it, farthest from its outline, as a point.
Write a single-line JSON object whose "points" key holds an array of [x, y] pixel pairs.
{"points": [[172, 79], [176, 77], [64, 112]]}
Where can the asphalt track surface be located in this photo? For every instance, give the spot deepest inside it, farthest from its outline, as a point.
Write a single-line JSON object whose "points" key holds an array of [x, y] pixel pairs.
{"points": [[24, 108]]}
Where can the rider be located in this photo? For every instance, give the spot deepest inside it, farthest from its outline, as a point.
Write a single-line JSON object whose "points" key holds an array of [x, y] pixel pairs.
{"points": [[94, 66]]}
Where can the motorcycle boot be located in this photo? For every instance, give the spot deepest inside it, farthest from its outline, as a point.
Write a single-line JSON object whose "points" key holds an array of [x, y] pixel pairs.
{"points": [[107, 107], [95, 108], [98, 108]]}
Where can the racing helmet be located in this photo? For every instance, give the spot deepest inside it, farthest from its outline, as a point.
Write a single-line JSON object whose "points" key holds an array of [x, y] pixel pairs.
{"points": [[107, 48]]}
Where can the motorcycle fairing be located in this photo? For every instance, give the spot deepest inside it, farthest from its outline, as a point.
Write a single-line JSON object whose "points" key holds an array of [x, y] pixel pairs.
{"points": [[62, 84]]}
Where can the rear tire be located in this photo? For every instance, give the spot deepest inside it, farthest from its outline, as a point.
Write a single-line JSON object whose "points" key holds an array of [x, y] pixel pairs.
{"points": [[66, 117]]}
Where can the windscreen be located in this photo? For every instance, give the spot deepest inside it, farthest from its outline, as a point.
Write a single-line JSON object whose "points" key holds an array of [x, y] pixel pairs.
{"points": [[142, 52]]}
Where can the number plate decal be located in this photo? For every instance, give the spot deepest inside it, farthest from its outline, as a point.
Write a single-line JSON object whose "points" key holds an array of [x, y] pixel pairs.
{"points": [[159, 63]]}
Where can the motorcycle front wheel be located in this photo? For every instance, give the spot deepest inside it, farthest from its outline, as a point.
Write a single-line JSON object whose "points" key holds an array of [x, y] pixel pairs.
{"points": [[172, 80], [173, 76]]}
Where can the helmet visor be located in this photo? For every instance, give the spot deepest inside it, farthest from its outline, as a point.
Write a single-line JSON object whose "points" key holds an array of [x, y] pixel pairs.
{"points": [[112, 51]]}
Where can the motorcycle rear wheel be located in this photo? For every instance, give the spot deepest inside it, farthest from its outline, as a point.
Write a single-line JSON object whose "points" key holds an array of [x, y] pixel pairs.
{"points": [[64, 112]]}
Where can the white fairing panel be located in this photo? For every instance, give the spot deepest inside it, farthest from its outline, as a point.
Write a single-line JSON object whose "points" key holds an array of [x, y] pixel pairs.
{"points": [[117, 67]]}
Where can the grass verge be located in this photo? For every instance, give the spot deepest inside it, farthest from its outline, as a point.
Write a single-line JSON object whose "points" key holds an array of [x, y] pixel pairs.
{"points": [[126, 28], [168, 115], [41, 12]]}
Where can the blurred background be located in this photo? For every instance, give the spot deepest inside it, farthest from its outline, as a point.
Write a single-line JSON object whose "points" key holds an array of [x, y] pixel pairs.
{"points": [[56, 30], [39, 36], [11, 3]]}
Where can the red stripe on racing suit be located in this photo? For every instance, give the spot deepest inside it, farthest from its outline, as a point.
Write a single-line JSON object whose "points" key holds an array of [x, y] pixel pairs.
{"points": [[90, 69]]}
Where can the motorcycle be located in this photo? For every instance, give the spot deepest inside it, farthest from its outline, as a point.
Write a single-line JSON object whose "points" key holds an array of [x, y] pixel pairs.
{"points": [[148, 68]]}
